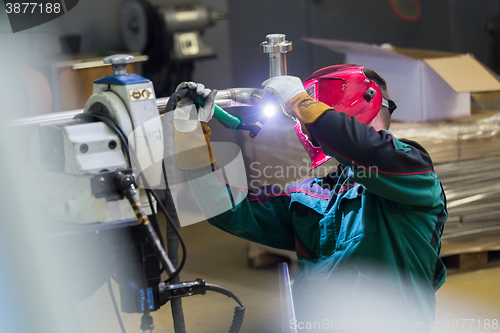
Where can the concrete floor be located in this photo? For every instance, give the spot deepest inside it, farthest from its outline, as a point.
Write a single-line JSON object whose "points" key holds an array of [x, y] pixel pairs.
{"points": [[473, 295], [220, 258]]}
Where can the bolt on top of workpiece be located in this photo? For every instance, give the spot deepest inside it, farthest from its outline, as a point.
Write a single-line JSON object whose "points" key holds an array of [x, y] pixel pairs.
{"points": [[276, 43]]}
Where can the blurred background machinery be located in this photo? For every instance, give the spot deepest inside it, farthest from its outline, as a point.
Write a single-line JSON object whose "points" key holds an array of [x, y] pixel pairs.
{"points": [[171, 37]]}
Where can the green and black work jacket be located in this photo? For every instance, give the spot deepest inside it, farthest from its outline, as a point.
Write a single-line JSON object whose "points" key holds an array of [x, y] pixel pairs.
{"points": [[367, 237]]}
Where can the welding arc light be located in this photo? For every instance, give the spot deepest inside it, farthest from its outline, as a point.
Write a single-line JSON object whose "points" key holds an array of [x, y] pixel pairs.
{"points": [[270, 110]]}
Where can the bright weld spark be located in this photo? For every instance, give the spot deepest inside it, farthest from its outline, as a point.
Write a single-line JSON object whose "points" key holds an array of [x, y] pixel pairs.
{"points": [[269, 110]]}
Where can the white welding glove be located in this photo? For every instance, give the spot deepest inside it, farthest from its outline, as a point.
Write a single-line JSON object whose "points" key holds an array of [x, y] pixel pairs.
{"points": [[205, 112], [286, 87], [298, 103]]}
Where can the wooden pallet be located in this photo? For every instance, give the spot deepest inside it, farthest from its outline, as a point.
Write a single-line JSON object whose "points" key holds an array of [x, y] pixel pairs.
{"points": [[465, 255], [466, 262], [261, 256]]}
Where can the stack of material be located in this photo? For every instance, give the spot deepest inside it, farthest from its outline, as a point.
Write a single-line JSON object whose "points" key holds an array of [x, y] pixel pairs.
{"points": [[462, 139], [472, 189], [465, 152], [466, 155]]}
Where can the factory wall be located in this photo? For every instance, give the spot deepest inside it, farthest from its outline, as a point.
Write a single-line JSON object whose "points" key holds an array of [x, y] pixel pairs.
{"points": [[447, 25]]}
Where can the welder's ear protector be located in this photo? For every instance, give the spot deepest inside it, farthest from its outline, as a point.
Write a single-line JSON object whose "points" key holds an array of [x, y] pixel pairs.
{"points": [[389, 103], [345, 88]]}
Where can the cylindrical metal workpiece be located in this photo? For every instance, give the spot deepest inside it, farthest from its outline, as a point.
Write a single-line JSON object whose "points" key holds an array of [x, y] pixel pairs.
{"points": [[225, 99], [277, 47]]}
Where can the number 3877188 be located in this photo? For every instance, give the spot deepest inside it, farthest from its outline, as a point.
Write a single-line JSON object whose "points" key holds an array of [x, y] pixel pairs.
{"points": [[32, 8]]}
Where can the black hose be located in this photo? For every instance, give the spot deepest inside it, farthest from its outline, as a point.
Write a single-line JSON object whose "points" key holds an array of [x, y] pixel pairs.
{"points": [[239, 311], [176, 97], [92, 116], [172, 236], [174, 228], [172, 250]]}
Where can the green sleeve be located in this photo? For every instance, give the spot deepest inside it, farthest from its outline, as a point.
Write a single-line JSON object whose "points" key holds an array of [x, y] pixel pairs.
{"points": [[262, 216]]}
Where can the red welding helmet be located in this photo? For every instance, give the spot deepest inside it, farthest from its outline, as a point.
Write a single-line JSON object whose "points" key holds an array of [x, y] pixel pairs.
{"points": [[345, 88]]}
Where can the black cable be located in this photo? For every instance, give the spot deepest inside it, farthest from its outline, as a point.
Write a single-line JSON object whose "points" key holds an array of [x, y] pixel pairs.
{"points": [[174, 228], [116, 128], [224, 291], [169, 205], [173, 250], [239, 312], [154, 219], [92, 116], [115, 305]]}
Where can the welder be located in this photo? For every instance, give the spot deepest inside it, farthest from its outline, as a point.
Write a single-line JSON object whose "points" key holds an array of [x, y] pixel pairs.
{"points": [[367, 236]]}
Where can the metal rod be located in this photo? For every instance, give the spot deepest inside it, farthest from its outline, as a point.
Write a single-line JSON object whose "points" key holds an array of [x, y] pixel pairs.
{"points": [[287, 308]]}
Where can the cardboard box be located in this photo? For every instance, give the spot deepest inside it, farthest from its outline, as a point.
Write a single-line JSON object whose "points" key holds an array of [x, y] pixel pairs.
{"points": [[426, 85]]}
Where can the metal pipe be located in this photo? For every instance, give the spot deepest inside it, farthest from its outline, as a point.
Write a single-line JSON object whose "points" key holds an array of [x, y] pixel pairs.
{"points": [[277, 47], [225, 98]]}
